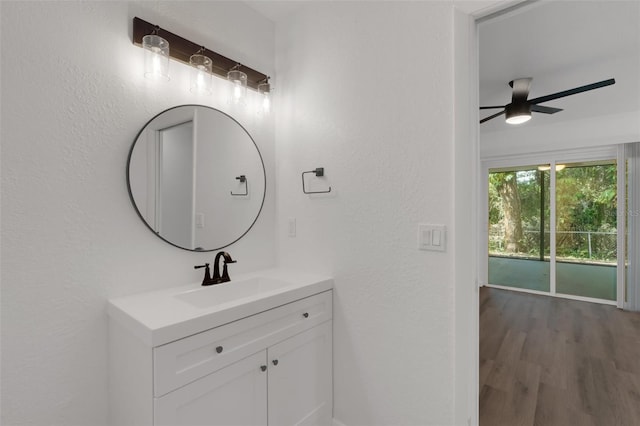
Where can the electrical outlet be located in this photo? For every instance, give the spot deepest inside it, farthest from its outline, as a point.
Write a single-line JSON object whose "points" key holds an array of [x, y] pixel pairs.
{"points": [[199, 220], [292, 227]]}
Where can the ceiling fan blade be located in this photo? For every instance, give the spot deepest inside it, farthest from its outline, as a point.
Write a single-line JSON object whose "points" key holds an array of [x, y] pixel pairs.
{"points": [[570, 92], [492, 116], [491, 107], [521, 88], [545, 109]]}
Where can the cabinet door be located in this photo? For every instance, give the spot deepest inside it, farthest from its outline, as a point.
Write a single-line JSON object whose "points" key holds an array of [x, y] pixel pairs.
{"points": [[234, 395], [300, 379]]}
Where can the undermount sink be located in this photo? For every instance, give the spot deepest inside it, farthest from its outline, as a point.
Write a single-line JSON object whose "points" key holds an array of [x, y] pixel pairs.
{"points": [[218, 294]]}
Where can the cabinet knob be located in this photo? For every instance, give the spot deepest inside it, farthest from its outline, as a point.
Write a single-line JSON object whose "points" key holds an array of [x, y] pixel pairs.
{"points": [[219, 349], [306, 315], [263, 367], [275, 362]]}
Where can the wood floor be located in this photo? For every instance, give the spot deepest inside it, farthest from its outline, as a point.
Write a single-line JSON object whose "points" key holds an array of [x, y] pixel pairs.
{"points": [[546, 361]]}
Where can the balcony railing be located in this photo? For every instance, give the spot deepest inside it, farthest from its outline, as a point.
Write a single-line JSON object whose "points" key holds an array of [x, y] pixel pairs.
{"points": [[596, 246]]}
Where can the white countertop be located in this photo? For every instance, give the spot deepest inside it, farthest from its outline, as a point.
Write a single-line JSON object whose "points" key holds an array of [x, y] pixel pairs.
{"points": [[160, 317]]}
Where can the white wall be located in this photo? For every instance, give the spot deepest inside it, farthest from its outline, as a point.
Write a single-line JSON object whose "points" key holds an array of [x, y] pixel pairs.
{"points": [[365, 89], [73, 99]]}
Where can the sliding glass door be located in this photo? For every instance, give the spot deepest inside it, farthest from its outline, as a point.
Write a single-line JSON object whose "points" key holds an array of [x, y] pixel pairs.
{"points": [[586, 229], [519, 246], [553, 228]]}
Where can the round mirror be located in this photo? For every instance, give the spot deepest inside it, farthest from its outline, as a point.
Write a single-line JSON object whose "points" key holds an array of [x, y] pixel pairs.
{"points": [[196, 178]]}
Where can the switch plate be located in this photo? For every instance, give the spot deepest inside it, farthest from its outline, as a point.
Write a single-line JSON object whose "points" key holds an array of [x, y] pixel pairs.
{"points": [[432, 237]]}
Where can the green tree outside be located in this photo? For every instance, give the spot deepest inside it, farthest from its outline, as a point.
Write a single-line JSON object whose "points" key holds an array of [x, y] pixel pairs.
{"points": [[586, 214]]}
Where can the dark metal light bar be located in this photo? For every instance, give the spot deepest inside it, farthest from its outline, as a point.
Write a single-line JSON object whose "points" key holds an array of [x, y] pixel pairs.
{"points": [[181, 50]]}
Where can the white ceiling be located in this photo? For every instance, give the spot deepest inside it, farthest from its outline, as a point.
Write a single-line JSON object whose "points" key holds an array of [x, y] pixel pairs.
{"points": [[560, 44], [563, 45], [276, 10]]}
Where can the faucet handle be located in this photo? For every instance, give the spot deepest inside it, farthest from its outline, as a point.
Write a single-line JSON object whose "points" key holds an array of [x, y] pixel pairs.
{"points": [[207, 273]]}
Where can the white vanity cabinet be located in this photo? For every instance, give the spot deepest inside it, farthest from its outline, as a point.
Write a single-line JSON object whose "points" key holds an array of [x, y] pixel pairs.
{"points": [[300, 382], [234, 395], [270, 368], [287, 384]]}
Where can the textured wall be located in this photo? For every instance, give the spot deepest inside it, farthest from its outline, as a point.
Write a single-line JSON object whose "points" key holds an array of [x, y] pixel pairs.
{"points": [[365, 90], [73, 99]]}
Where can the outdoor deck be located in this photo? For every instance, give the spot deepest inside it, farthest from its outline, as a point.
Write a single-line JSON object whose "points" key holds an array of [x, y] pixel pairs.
{"points": [[581, 279]]}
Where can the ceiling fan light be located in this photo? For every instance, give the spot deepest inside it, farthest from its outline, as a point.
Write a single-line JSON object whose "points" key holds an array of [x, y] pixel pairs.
{"points": [[519, 119], [518, 114]]}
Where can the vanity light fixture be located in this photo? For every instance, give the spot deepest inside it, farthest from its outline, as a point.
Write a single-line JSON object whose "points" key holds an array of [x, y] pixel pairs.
{"points": [[182, 50], [238, 80], [264, 89], [201, 66], [156, 56]]}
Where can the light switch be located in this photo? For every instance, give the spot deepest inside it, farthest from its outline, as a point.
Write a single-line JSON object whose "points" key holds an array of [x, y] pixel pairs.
{"points": [[435, 237], [424, 237], [431, 237]]}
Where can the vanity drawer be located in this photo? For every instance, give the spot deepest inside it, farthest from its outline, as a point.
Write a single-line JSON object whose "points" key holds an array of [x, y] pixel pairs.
{"points": [[185, 360]]}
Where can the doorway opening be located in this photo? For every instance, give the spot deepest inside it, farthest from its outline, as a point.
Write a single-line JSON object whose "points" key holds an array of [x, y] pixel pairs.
{"points": [[588, 133]]}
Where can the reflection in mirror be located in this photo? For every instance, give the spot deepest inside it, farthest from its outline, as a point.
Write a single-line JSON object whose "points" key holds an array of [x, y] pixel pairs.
{"points": [[196, 178]]}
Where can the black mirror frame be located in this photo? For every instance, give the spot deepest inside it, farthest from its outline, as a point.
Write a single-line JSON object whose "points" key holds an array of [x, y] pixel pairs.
{"points": [[133, 202]]}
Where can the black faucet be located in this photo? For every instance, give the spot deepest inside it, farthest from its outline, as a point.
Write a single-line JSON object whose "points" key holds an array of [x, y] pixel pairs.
{"points": [[217, 278]]}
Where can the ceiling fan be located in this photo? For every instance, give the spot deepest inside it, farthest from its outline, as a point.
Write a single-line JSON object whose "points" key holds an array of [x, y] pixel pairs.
{"points": [[520, 108]]}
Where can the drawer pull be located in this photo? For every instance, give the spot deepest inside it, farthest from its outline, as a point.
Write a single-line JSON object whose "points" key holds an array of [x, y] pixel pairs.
{"points": [[263, 367], [275, 362], [306, 315], [219, 349]]}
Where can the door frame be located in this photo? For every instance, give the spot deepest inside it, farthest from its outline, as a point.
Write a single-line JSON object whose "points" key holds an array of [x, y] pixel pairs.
{"points": [[553, 157], [466, 164]]}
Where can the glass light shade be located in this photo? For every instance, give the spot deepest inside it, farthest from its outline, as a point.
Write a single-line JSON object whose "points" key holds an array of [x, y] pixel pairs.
{"points": [[201, 80], [264, 89], [519, 119], [239, 89], [156, 57]]}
